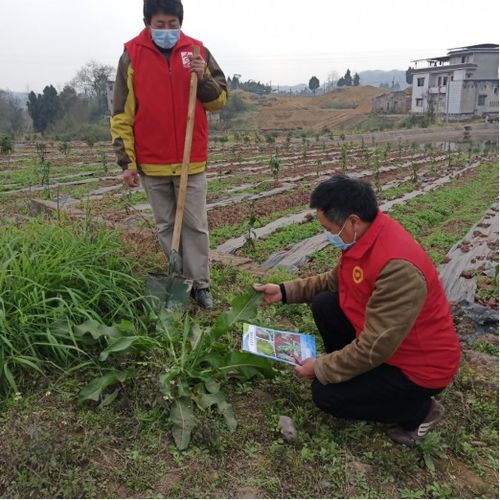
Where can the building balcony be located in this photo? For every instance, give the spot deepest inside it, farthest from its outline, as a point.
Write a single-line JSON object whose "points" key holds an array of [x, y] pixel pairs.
{"points": [[437, 90]]}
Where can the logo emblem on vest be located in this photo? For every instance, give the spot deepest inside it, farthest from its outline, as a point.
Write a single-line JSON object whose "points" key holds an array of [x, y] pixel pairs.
{"points": [[357, 275], [185, 59]]}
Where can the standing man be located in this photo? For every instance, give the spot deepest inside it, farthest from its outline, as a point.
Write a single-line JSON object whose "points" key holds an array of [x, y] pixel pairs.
{"points": [[148, 129], [382, 313]]}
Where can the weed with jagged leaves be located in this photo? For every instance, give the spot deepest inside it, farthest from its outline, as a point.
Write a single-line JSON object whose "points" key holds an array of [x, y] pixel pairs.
{"points": [[193, 362]]}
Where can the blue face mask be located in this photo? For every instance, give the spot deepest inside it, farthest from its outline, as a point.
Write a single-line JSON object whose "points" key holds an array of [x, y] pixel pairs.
{"points": [[165, 39], [337, 241]]}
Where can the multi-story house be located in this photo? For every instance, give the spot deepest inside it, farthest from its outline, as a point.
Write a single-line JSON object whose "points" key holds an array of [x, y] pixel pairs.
{"points": [[459, 86]]}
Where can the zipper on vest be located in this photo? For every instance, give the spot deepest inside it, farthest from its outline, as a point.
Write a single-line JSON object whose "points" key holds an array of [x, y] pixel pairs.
{"points": [[173, 106]]}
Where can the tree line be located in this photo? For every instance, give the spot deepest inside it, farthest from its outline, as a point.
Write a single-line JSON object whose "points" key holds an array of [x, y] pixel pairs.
{"points": [[78, 110], [249, 85], [344, 81]]}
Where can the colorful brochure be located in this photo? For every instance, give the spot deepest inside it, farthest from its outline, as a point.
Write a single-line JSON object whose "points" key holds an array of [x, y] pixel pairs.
{"points": [[279, 345]]}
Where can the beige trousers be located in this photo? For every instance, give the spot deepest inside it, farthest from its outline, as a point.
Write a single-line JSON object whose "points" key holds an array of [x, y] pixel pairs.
{"points": [[162, 193]]}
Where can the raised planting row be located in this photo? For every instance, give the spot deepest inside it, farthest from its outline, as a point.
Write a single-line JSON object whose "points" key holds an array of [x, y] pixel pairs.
{"points": [[294, 244], [476, 255], [438, 219], [398, 186], [88, 188], [47, 165]]}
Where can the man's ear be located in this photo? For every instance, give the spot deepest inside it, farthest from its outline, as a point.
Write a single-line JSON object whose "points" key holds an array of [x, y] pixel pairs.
{"points": [[355, 220]]}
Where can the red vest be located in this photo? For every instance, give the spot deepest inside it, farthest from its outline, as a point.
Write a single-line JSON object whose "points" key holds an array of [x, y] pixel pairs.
{"points": [[430, 353], [161, 92]]}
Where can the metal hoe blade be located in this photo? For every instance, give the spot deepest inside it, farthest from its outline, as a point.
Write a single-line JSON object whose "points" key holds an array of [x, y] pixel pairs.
{"points": [[169, 290]]}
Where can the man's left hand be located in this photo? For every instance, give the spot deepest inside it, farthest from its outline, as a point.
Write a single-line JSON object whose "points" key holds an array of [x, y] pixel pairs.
{"points": [[198, 66], [306, 368]]}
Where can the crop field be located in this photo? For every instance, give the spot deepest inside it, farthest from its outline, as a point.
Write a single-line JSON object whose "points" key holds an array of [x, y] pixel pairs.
{"points": [[104, 395]]}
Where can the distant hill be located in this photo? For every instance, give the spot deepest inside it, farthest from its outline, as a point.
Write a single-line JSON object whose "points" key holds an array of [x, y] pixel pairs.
{"points": [[376, 77], [294, 89]]}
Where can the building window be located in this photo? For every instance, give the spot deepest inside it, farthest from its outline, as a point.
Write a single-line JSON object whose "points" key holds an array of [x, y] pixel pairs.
{"points": [[468, 75], [451, 77], [495, 90], [481, 100], [419, 103], [420, 82], [439, 81], [445, 80]]}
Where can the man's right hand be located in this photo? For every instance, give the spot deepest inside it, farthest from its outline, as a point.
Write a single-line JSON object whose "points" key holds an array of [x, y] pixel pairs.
{"points": [[272, 293], [131, 177]]}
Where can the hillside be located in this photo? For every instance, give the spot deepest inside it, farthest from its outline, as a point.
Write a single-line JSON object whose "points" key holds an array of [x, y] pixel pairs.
{"points": [[336, 110]]}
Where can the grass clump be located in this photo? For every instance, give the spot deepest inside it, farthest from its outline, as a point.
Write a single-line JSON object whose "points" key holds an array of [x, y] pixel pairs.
{"points": [[53, 275]]}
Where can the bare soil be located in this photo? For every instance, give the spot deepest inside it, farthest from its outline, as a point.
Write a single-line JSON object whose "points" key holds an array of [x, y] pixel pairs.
{"points": [[276, 111]]}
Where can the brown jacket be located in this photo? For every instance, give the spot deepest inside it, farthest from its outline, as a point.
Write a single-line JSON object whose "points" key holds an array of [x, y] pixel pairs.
{"points": [[399, 294]]}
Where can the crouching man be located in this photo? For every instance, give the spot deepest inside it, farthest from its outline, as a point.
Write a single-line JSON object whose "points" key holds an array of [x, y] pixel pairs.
{"points": [[382, 313]]}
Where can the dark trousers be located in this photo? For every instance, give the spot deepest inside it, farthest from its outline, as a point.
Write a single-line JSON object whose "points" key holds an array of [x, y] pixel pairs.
{"points": [[383, 394]]}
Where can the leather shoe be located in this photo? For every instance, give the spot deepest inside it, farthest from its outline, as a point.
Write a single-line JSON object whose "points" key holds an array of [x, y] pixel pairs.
{"points": [[202, 297]]}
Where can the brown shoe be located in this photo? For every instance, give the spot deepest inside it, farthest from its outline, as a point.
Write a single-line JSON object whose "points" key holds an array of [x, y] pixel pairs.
{"points": [[402, 436]]}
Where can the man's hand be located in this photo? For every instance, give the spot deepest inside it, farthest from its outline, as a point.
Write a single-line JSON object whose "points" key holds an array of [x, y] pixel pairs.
{"points": [[198, 66], [272, 293], [306, 368], [131, 177]]}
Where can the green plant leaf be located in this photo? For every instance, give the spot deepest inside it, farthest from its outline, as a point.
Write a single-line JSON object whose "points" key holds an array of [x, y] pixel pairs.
{"points": [[10, 377], [166, 380], [243, 308], [208, 400], [109, 398], [224, 408], [239, 361], [94, 389], [126, 327], [97, 330], [429, 462], [27, 362], [182, 417], [196, 335], [183, 388], [119, 345], [211, 385], [228, 413]]}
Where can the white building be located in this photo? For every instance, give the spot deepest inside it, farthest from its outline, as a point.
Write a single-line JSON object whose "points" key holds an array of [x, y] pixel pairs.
{"points": [[458, 86]]}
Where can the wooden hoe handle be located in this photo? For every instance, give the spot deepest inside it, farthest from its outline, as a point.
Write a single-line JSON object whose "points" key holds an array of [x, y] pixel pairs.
{"points": [[181, 197]]}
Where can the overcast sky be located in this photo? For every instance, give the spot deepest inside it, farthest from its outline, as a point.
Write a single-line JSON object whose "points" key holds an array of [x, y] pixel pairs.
{"points": [[283, 41]]}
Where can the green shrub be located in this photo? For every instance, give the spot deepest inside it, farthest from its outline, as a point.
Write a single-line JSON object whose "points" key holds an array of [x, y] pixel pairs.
{"points": [[413, 121], [89, 133], [6, 145]]}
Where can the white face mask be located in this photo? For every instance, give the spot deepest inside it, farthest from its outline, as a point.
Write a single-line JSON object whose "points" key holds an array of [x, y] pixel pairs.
{"points": [[337, 241], [166, 39]]}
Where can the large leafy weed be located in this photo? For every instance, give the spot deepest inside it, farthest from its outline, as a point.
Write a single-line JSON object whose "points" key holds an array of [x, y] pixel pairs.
{"points": [[196, 363]]}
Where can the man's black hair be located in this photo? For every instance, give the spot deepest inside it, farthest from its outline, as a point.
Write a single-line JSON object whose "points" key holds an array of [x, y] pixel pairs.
{"points": [[341, 196], [171, 7]]}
